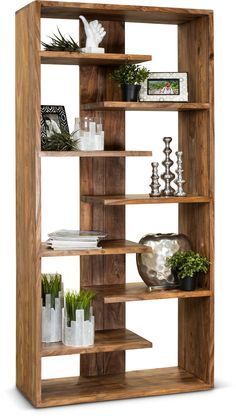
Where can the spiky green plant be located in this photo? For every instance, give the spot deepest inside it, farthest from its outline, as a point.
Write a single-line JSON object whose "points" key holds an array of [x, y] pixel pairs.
{"points": [[187, 263], [59, 142], [60, 43], [51, 284], [130, 74], [78, 300]]}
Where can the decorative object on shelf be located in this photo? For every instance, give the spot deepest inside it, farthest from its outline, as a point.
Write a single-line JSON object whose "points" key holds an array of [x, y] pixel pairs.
{"points": [[167, 176], [165, 86], [94, 35], [52, 303], [155, 185], [187, 265], [130, 77], [89, 133], [78, 327], [60, 43], [74, 239], [152, 266], [53, 121], [179, 181]]}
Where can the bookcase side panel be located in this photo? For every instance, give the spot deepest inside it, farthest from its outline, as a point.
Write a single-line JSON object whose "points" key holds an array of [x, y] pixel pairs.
{"points": [[28, 213], [104, 176], [196, 139]]}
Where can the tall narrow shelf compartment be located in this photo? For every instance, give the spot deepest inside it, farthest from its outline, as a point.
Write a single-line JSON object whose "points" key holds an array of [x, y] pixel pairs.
{"points": [[102, 206]]}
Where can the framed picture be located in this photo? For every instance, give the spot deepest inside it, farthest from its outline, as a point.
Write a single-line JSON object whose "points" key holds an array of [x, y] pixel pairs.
{"points": [[53, 121], [165, 86]]}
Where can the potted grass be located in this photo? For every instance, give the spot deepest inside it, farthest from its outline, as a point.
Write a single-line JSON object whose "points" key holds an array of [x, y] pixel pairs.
{"points": [[130, 77], [78, 328], [52, 303], [187, 265]]}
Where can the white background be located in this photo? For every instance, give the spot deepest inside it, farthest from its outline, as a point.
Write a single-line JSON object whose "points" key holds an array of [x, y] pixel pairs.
{"points": [[144, 131]]}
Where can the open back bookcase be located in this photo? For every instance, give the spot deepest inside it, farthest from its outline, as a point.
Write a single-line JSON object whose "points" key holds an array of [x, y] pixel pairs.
{"points": [[102, 207]]}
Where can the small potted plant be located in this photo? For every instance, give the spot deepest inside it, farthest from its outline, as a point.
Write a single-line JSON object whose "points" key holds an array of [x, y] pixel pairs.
{"points": [[130, 77], [52, 303], [187, 265], [78, 318]]}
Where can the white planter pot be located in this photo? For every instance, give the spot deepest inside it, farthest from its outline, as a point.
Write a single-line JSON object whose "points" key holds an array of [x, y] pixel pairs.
{"points": [[80, 332], [52, 320]]}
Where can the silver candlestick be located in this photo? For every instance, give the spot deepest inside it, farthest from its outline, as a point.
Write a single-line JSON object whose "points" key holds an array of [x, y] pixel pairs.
{"points": [[179, 181], [155, 185], [167, 176]]}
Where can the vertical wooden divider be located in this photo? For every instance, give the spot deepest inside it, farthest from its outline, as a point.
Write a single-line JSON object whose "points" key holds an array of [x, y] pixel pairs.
{"points": [[28, 211], [196, 139], [104, 176]]}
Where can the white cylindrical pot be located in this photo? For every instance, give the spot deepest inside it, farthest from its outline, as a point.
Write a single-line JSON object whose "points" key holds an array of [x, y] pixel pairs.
{"points": [[80, 332], [52, 319]]}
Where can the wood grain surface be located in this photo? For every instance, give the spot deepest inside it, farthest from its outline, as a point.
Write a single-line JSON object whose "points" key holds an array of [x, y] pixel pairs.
{"points": [[116, 12], [196, 139], [28, 215], [109, 247], [105, 341], [140, 383], [77, 58], [139, 291], [143, 199], [144, 106], [104, 176], [97, 153]]}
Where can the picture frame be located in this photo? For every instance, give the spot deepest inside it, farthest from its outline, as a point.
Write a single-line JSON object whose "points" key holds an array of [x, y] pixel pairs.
{"points": [[165, 86], [53, 121]]}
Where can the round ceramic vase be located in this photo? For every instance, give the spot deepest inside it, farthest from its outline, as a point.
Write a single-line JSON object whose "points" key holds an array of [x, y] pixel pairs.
{"points": [[152, 266]]}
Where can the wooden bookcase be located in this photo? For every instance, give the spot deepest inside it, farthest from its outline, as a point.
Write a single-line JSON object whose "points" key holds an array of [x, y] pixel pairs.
{"points": [[102, 187]]}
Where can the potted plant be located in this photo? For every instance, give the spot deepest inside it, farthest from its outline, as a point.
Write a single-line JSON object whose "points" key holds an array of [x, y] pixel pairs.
{"points": [[130, 76], [78, 318], [52, 303], [187, 265]]}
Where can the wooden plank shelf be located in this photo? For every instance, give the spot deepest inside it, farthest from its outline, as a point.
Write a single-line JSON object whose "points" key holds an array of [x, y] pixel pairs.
{"points": [[123, 13], [108, 247], [77, 58], [105, 341], [139, 291], [142, 383], [144, 106], [97, 153], [143, 199]]}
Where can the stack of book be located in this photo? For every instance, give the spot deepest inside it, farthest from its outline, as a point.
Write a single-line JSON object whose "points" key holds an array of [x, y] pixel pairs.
{"points": [[74, 240]]}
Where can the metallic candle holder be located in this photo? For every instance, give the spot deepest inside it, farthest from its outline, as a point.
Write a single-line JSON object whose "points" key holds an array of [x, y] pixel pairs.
{"points": [[167, 176], [155, 185], [179, 181]]}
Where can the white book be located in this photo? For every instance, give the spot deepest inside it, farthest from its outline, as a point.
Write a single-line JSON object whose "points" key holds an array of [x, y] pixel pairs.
{"points": [[77, 235]]}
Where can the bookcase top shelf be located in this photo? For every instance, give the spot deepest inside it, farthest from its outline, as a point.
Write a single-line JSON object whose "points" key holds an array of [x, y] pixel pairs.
{"points": [[76, 58], [126, 13], [96, 153]]}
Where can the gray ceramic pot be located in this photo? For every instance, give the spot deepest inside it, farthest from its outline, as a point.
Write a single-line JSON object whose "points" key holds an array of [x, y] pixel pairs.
{"points": [[152, 267]]}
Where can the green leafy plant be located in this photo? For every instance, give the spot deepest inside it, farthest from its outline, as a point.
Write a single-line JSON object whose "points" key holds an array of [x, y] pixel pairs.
{"points": [[130, 74], [78, 300], [59, 141], [60, 43], [187, 263], [51, 284]]}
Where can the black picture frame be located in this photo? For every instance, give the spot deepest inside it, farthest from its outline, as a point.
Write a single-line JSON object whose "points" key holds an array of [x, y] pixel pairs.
{"points": [[57, 115]]}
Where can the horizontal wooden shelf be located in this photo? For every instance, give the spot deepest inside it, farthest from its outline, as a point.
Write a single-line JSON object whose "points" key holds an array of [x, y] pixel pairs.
{"points": [[108, 247], [105, 341], [77, 58], [144, 106], [132, 384], [123, 13], [97, 153], [143, 199], [139, 291]]}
